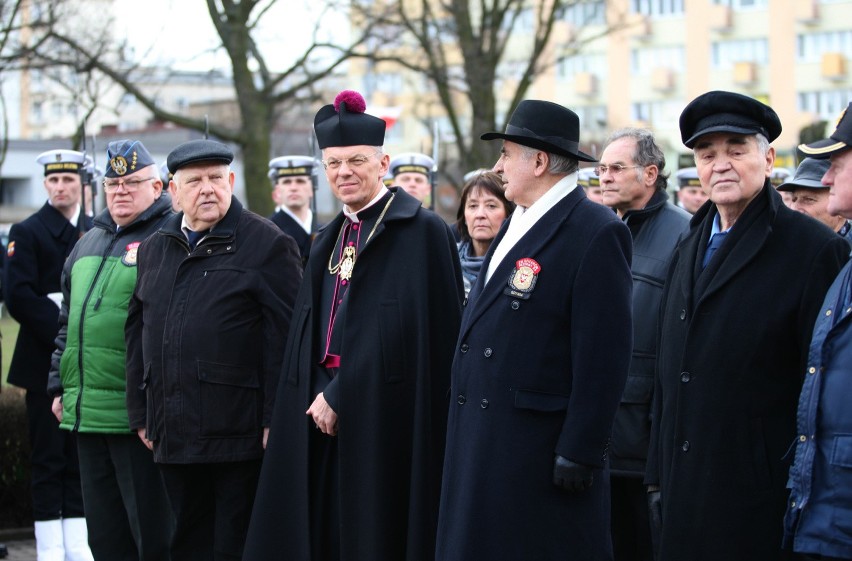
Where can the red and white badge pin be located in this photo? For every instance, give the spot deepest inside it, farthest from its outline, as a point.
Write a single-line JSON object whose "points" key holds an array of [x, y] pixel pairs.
{"points": [[523, 278], [129, 257]]}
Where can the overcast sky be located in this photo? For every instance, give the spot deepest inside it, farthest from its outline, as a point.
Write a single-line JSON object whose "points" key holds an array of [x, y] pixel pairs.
{"points": [[180, 32]]}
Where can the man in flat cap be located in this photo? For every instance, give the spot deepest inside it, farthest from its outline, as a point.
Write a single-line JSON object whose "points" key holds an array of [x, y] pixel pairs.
{"points": [[413, 172], [204, 355], [35, 254], [690, 195], [540, 362], [809, 195], [744, 288], [819, 509], [353, 468], [127, 511], [292, 191]]}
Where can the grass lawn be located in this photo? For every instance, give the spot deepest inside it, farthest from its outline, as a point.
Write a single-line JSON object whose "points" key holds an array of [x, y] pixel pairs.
{"points": [[9, 330]]}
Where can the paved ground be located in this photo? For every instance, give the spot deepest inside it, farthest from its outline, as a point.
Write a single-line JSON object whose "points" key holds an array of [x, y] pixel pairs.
{"points": [[20, 543]]}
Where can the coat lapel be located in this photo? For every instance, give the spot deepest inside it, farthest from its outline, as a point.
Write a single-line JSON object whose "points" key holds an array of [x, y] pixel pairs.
{"points": [[529, 245]]}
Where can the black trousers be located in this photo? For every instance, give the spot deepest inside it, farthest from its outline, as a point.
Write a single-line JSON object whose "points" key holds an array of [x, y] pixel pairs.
{"points": [[54, 465], [127, 510], [212, 506], [631, 529]]}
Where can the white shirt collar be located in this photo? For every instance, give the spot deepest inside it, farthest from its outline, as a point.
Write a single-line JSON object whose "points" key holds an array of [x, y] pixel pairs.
{"points": [[353, 216], [306, 224]]}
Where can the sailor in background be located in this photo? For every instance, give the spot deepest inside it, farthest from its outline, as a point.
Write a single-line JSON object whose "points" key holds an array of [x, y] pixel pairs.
{"points": [[292, 191]]}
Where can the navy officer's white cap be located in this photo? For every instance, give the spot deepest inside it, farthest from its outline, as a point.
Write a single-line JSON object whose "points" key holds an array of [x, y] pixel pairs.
{"points": [[286, 166], [411, 162], [474, 173], [779, 176], [61, 161], [687, 177]]}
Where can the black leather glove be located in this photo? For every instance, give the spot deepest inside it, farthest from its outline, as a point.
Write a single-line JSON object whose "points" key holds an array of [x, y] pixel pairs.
{"points": [[655, 517], [571, 476]]}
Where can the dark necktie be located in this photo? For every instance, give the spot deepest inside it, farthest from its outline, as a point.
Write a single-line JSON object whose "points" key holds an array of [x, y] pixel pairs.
{"points": [[715, 243], [195, 237]]}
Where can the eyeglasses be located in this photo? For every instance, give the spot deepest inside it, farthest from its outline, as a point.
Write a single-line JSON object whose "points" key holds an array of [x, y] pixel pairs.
{"points": [[355, 161], [129, 186], [615, 169]]}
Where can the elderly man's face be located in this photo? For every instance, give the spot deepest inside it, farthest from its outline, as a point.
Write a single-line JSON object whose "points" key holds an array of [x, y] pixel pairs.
{"points": [[414, 183], [355, 173], [517, 169], [294, 191], [64, 190], [203, 191], [129, 196], [731, 167], [814, 203], [691, 198], [630, 187], [839, 179]]}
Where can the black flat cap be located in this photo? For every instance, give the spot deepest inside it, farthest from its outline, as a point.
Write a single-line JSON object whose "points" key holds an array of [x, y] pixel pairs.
{"points": [[808, 174], [839, 141], [719, 111], [344, 123], [195, 151]]}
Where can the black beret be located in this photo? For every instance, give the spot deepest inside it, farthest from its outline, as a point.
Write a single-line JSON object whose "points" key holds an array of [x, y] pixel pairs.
{"points": [[720, 111], [195, 151]]}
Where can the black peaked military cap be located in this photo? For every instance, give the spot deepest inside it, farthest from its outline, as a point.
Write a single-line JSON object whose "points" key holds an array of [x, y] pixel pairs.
{"points": [[839, 141], [719, 111], [545, 126], [195, 151], [126, 156], [344, 123]]}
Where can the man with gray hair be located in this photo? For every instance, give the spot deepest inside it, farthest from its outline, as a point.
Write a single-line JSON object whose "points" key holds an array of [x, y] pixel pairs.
{"points": [[745, 285], [211, 306], [633, 183]]}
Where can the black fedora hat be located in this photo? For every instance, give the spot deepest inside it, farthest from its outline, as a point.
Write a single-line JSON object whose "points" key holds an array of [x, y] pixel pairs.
{"points": [[546, 126]]}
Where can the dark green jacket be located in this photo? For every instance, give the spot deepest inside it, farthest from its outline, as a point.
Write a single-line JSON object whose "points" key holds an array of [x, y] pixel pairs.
{"points": [[98, 279]]}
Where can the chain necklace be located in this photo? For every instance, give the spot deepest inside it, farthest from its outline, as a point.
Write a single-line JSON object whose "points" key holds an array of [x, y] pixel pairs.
{"points": [[346, 264]]}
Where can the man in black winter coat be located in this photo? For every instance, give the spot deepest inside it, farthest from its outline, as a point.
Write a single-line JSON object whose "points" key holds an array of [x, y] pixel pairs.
{"points": [[204, 355], [744, 288], [633, 183]]}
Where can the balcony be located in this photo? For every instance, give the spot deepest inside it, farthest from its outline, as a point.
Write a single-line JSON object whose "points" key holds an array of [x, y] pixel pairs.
{"points": [[721, 18], [586, 84], [833, 66], [807, 12], [745, 73], [662, 79]]}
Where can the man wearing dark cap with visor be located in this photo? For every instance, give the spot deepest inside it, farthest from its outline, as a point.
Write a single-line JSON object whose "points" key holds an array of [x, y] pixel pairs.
{"points": [[744, 288], [204, 355], [810, 196], [541, 361], [819, 509], [353, 468], [126, 504]]}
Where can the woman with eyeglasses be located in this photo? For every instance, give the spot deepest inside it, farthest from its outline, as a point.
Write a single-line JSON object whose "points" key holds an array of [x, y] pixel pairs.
{"points": [[482, 210]]}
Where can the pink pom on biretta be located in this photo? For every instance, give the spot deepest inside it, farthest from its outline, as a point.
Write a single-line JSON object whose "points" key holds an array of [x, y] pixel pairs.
{"points": [[354, 101]]}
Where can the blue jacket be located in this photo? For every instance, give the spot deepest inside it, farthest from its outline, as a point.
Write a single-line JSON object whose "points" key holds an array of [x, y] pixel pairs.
{"points": [[819, 512]]}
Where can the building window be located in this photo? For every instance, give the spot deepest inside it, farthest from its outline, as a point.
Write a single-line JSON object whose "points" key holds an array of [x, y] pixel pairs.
{"points": [[826, 105], [656, 113], [811, 46], [657, 7], [585, 12], [644, 61], [592, 117], [743, 4], [727, 53]]}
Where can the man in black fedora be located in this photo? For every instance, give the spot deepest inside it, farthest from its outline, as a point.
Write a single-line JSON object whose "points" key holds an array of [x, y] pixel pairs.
{"points": [[745, 285], [540, 363]]}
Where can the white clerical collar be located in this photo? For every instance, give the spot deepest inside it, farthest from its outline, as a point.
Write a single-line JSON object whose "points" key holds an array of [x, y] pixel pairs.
{"points": [[305, 224], [353, 216]]}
